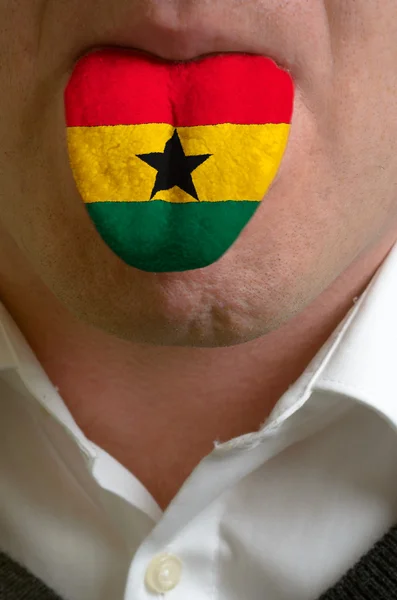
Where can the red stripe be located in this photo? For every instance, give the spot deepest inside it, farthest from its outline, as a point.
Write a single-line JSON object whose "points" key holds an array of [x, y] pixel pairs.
{"points": [[117, 87]]}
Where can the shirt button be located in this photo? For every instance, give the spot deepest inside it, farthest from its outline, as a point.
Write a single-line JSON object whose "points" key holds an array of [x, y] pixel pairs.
{"points": [[163, 573]]}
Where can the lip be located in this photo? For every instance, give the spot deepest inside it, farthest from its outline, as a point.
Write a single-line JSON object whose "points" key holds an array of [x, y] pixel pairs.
{"points": [[200, 38], [178, 57]]}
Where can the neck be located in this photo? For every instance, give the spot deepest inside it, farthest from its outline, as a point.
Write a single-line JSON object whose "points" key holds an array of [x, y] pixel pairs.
{"points": [[124, 396]]}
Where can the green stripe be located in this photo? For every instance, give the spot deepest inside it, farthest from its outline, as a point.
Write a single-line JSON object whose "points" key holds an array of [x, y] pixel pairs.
{"points": [[160, 236]]}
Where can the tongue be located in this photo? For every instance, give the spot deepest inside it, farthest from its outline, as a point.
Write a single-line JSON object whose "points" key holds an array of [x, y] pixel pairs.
{"points": [[173, 159]]}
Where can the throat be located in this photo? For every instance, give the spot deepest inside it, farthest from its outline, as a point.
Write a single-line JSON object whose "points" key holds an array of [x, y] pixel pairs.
{"points": [[162, 450]]}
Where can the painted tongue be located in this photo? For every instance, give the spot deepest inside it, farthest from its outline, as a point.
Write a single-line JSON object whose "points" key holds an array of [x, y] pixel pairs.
{"points": [[172, 159]]}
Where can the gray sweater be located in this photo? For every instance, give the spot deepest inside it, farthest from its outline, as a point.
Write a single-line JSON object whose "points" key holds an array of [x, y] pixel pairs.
{"points": [[374, 577]]}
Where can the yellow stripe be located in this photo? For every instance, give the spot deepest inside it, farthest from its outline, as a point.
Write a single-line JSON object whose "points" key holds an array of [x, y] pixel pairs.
{"points": [[244, 163]]}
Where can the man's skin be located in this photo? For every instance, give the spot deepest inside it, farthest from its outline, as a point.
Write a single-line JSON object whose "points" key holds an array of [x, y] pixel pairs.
{"points": [[155, 367]]}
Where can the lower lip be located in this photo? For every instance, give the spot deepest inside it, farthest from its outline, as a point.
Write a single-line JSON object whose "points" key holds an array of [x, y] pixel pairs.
{"points": [[128, 113]]}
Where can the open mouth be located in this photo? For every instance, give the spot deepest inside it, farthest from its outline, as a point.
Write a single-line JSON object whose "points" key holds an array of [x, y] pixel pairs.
{"points": [[172, 158]]}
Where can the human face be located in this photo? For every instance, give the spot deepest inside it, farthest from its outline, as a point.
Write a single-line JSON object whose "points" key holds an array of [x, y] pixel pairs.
{"points": [[334, 197]]}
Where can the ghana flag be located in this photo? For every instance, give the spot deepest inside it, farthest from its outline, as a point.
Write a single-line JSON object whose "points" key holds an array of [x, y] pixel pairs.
{"points": [[172, 159]]}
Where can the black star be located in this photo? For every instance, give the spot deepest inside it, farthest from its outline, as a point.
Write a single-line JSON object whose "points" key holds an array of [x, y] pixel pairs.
{"points": [[174, 167]]}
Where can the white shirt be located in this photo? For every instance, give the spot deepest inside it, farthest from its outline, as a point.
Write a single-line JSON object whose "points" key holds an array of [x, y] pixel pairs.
{"points": [[279, 514]]}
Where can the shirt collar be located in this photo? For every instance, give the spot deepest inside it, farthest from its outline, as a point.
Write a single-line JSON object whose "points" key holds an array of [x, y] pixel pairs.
{"points": [[358, 360], [20, 368], [363, 365]]}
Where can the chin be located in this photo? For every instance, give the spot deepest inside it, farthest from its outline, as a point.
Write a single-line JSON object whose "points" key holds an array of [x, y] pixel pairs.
{"points": [[225, 304]]}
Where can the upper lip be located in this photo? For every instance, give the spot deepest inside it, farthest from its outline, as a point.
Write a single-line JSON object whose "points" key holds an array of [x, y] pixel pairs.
{"points": [[177, 56], [197, 38]]}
